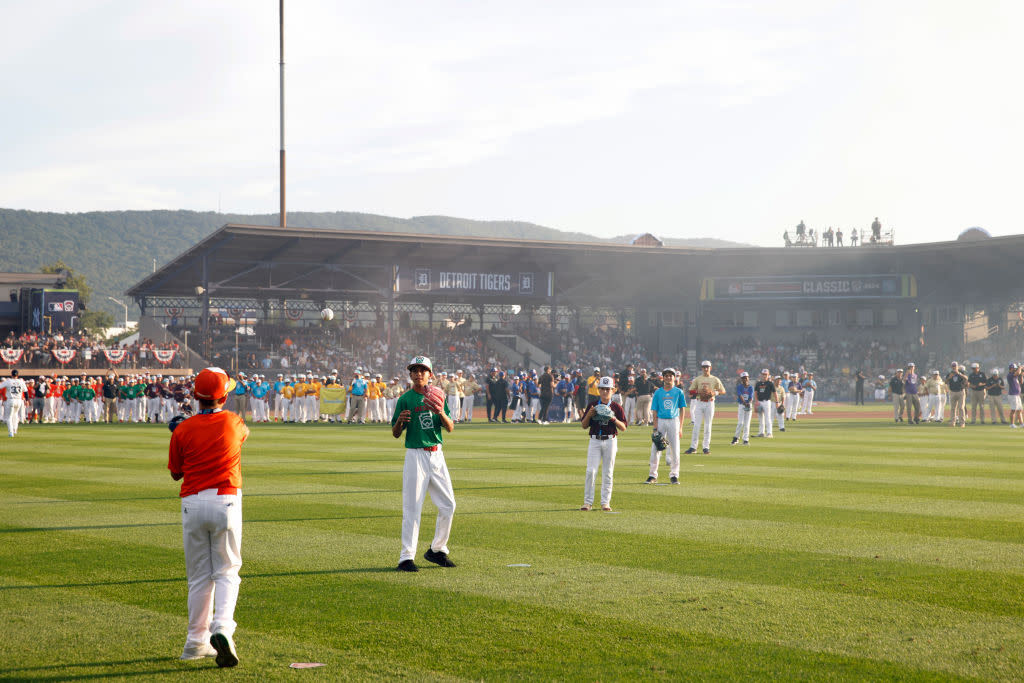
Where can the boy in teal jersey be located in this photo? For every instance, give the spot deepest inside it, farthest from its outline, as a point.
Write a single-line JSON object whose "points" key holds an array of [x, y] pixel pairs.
{"points": [[425, 468]]}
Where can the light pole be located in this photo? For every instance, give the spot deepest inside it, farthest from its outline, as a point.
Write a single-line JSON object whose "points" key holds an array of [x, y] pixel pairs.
{"points": [[121, 303], [188, 351]]}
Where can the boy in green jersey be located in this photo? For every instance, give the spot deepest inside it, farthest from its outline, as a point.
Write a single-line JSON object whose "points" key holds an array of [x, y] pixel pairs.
{"points": [[425, 469]]}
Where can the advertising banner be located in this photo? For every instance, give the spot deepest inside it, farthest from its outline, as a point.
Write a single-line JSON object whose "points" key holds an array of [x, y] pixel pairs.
{"points": [[804, 287], [332, 401]]}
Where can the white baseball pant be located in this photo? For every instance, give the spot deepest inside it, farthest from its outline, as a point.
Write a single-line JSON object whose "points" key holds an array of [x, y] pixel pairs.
{"points": [[703, 414], [765, 409], [600, 453], [425, 472], [211, 527], [743, 415], [13, 408], [669, 426]]}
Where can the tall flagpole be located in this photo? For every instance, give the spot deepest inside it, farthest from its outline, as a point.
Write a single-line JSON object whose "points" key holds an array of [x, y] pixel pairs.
{"points": [[284, 220]]}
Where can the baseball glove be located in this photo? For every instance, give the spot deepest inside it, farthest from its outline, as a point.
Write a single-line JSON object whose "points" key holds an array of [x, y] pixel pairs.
{"points": [[175, 421], [659, 441], [602, 413], [780, 409], [705, 393], [433, 398]]}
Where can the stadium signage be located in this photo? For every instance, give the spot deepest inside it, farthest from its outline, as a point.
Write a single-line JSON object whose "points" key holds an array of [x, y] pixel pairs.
{"points": [[476, 283], [809, 287]]}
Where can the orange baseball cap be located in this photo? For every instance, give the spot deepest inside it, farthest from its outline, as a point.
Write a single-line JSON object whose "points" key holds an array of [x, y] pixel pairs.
{"points": [[212, 384]]}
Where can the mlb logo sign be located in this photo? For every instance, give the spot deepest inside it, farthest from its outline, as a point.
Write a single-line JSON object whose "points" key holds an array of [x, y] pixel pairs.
{"points": [[61, 306]]}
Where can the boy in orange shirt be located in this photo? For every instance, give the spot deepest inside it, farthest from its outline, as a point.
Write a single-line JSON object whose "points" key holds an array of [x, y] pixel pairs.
{"points": [[205, 453]]}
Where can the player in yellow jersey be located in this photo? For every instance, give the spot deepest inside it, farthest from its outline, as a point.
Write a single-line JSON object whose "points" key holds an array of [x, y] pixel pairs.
{"points": [[372, 394], [287, 398], [299, 402]]}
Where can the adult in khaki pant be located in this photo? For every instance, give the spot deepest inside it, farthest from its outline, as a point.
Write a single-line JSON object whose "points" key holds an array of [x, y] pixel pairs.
{"points": [[956, 380], [976, 382], [897, 389], [994, 391]]}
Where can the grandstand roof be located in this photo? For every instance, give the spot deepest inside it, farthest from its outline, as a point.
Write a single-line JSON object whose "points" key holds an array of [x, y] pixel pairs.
{"points": [[271, 262]]}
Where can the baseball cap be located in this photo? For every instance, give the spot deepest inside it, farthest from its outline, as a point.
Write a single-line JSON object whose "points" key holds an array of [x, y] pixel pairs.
{"points": [[605, 383], [421, 360], [597, 369], [765, 371], [1013, 366], [975, 365], [744, 374], [668, 371], [213, 384], [705, 364], [911, 365]]}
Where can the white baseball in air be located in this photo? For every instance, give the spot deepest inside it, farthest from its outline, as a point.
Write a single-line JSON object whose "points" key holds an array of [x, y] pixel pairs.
{"points": [[327, 314]]}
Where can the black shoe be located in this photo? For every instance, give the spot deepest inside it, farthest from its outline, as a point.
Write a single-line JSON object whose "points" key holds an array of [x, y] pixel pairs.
{"points": [[746, 443], [689, 450], [651, 480], [226, 655], [735, 440], [407, 566], [706, 451], [674, 480], [438, 558], [782, 429]]}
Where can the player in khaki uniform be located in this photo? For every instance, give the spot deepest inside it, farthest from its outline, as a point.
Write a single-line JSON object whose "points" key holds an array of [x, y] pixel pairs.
{"points": [[937, 391], [707, 387], [391, 394], [470, 388]]}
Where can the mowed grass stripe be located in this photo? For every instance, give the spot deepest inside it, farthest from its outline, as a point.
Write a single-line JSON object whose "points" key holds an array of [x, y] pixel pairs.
{"points": [[619, 602], [350, 529]]}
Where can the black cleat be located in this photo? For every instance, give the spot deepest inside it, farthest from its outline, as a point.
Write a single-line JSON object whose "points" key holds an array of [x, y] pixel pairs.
{"points": [[674, 480], [225, 647], [651, 480], [706, 451], [689, 450], [746, 443], [735, 440], [407, 566], [438, 558]]}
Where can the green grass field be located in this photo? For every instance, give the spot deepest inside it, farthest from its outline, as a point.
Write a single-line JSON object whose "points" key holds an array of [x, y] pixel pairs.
{"points": [[844, 549]]}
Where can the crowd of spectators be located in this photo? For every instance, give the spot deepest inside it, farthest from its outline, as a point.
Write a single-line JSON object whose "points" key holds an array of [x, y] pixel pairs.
{"points": [[38, 351], [321, 348]]}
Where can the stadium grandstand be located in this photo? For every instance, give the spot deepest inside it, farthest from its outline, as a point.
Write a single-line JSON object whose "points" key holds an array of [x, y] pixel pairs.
{"points": [[251, 297]]}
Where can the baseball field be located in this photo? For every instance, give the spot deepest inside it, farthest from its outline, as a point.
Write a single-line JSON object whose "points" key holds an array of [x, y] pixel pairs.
{"points": [[847, 548]]}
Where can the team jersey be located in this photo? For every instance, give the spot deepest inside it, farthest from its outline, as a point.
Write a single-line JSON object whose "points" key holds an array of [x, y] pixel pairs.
{"points": [[14, 388], [711, 382], [288, 391], [666, 403], [300, 389], [764, 389], [423, 430], [214, 443], [592, 385], [372, 391], [358, 387], [744, 394]]}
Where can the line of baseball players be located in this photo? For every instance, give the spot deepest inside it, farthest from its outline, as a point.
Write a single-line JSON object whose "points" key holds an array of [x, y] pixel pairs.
{"points": [[916, 399]]}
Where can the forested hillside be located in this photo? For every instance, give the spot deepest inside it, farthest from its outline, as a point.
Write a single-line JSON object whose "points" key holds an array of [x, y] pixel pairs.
{"points": [[116, 249]]}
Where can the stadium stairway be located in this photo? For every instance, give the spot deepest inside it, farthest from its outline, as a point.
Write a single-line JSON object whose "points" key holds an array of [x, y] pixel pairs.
{"points": [[516, 349]]}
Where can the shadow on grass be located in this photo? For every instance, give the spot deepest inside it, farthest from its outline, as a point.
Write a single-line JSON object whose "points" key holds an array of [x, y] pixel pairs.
{"points": [[21, 673]]}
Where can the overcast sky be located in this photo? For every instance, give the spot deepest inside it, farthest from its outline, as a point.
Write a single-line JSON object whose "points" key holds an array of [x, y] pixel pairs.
{"points": [[686, 119]]}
